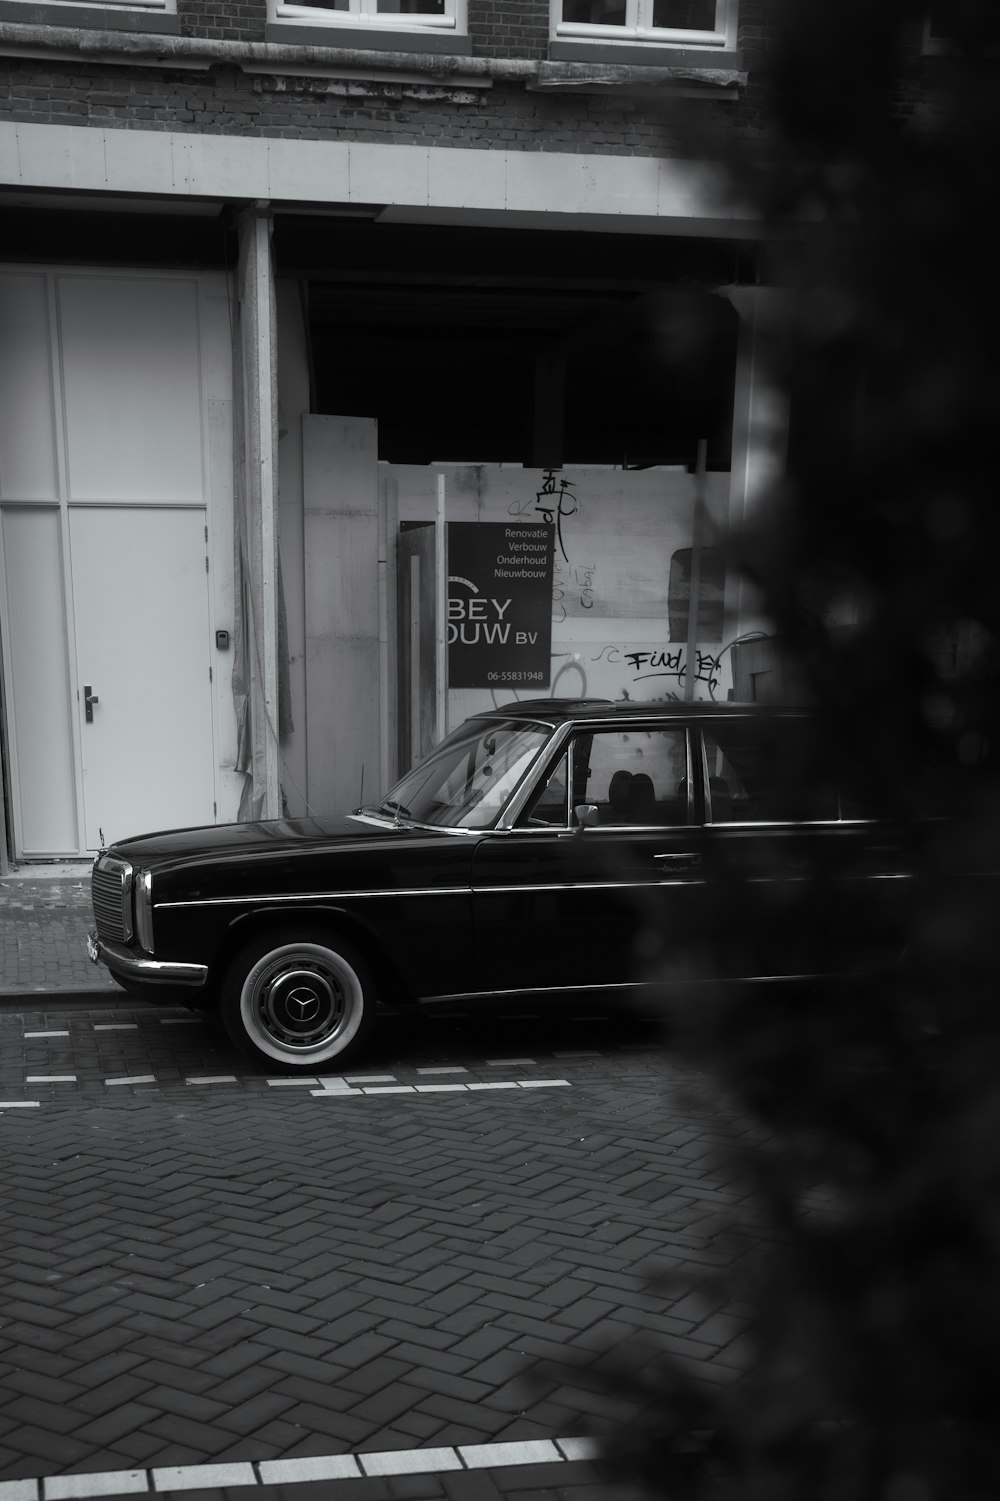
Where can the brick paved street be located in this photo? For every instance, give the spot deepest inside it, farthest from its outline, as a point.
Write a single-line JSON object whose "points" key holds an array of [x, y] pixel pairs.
{"points": [[44, 916], [206, 1266]]}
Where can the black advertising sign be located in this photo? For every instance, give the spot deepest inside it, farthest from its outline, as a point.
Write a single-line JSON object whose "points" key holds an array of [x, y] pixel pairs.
{"points": [[499, 604]]}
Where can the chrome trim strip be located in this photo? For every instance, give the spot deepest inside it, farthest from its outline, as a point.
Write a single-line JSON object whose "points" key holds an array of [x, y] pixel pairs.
{"points": [[469, 995], [788, 823], [708, 980], [639, 885], [587, 886], [122, 962], [342, 896], [143, 887], [312, 896]]}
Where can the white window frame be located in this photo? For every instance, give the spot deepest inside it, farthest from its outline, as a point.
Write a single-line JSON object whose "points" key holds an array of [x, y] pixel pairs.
{"points": [[638, 28], [364, 15]]}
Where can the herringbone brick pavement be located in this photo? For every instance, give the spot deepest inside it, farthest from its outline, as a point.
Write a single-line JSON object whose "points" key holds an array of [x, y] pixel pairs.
{"points": [[44, 918], [193, 1278]]}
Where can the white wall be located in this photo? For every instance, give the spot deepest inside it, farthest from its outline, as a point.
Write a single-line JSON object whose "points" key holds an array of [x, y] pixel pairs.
{"points": [[610, 627]]}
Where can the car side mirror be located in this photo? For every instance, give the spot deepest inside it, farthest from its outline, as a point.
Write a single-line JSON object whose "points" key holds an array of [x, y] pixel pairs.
{"points": [[586, 816]]}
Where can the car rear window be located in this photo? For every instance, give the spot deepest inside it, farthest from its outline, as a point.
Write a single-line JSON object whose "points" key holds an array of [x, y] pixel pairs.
{"points": [[767, 771]]}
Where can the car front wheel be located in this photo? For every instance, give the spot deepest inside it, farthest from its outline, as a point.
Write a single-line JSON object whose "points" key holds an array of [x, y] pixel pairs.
{"points": [[299, 1003]]}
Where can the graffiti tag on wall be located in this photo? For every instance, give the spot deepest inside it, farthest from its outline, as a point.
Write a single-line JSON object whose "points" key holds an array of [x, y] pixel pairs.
{"points": [[554, 503], [670, 663]]}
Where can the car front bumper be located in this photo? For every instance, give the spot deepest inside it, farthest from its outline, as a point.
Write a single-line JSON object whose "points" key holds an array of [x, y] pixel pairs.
{"points": [[125, 965]]}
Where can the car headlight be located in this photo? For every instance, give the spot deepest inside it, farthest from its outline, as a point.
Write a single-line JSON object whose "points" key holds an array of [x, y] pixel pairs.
{"points": [[143, 888]]}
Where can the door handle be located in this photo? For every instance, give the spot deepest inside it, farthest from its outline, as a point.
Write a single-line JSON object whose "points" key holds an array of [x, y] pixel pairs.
{"points": [[90, 698], [683, 860]]}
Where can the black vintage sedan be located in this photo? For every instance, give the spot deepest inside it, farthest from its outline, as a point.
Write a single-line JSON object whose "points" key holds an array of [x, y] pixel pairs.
{"points": [[528, 853]]}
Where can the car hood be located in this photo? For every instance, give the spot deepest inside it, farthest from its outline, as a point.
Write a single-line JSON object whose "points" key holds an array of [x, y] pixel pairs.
{"points": [[220, 843]]}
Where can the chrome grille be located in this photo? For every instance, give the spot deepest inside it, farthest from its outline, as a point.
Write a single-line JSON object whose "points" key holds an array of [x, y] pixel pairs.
{"points": [[111, 896]]}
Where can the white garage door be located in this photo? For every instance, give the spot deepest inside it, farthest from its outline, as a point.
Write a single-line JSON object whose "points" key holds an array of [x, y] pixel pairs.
{"points": [[103, 523]]}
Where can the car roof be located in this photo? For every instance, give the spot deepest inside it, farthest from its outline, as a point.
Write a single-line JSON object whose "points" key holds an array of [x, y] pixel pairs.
{"points": [[558, 710]]}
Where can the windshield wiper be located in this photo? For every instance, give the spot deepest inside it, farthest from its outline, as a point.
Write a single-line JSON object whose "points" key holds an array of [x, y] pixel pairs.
{"points": [[387, 809], [396, 809]]}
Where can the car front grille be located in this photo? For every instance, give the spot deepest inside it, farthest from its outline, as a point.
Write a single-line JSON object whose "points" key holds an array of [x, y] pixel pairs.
{"points": [[111, 895]]}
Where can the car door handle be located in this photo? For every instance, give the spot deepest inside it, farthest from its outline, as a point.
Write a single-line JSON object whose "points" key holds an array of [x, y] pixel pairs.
{"points": [[683, 860]]}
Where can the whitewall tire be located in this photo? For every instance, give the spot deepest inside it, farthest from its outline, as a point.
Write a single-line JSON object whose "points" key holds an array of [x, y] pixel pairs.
{"points": [[299, 1003]]}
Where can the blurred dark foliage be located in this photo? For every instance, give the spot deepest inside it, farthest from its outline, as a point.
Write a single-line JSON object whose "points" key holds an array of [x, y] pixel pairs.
{"points": [[871, 1102]]}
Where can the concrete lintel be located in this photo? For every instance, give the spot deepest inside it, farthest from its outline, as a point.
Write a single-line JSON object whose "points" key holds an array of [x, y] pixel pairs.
{"points": [[667, 191]]}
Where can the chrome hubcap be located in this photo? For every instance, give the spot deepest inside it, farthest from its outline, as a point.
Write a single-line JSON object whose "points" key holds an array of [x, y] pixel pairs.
{"points": [[299, 1005]]}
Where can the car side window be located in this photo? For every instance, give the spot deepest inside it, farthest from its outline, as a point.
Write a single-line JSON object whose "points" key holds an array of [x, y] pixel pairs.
{"points": [[766, 771], [639, 776], [550, 804]]}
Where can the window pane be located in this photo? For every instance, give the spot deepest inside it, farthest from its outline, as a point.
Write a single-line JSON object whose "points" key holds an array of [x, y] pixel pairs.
{"points": [[595, 12], [411, 7], [766, 773], [684, 15], [636, 777], [551, 803], [468, 779], [326, 4]]}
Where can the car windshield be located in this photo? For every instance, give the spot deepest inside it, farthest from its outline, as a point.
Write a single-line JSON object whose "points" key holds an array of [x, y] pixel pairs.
{"points": [[466, 781]]}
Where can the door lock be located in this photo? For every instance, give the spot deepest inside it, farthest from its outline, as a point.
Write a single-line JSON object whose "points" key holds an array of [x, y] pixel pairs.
{"points": [[89, 700]]}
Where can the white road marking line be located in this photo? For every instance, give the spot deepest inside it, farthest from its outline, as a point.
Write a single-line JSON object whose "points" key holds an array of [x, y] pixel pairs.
{"points": [[370, 1078], [578, 1448], [48, 1034], [451, 1069], [380, 1089], [181, 1021], [410, 1462], [532, 1452], [107, 1483], [332, 1087], [245, 1475], [202, 1477], [512, 1062], [322, 1467], [116, 1026]]}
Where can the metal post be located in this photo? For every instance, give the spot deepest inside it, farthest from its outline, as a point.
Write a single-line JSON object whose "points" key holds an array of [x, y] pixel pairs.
{"points": [[265, 389], [694, 586], [441, 611]]}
